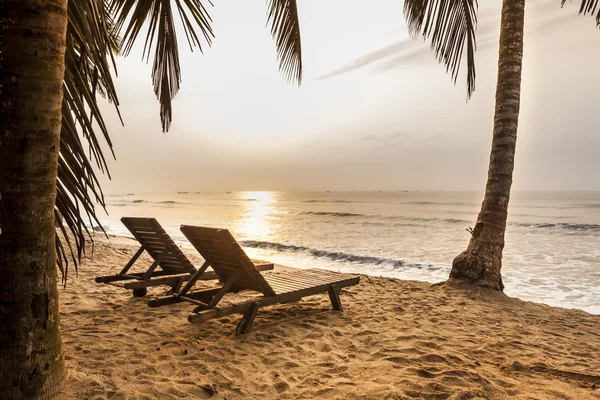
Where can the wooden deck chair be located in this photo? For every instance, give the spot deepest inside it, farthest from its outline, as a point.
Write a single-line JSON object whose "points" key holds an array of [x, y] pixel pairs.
{"points": [[237, 272], [170, 267]]}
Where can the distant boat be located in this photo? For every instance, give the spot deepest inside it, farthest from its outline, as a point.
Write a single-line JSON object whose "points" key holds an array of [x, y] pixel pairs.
{"points": [[227, 192], [182, 192]]}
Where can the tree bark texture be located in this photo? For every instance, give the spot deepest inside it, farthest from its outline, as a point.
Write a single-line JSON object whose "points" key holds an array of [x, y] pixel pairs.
{"points": [[32, 72], [481, 262]]}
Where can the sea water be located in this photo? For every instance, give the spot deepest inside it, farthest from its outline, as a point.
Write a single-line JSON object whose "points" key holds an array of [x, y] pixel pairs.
{"points": [[552, 252]]}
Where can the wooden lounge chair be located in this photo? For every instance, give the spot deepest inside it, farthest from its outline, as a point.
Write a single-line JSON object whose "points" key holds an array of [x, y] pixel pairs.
{"points": [[175, 268], [237, 272]]}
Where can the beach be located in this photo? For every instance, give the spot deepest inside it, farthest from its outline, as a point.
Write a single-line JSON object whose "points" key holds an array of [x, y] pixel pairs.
{"points": [[396, 339]]}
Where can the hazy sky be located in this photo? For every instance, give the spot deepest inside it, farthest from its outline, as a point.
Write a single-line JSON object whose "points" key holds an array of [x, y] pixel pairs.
{"points": [[375, 111]]}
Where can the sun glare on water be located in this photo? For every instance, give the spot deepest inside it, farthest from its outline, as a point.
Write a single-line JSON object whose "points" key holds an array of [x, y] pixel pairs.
{"points": [[259, 207]]}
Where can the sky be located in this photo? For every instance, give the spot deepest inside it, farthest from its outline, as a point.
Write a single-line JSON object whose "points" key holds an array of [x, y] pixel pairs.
{"points": [[375, 111]]}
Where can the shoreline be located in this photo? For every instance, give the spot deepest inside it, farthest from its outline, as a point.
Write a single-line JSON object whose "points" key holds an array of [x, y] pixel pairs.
{"points": [[395, 339], [189, 249]]}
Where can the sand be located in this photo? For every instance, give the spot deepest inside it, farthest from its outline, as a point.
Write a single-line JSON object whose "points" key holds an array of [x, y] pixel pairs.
{"points": [[395, 340]]}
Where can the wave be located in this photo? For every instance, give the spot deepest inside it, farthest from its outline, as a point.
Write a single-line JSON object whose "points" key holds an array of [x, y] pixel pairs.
{"points": [[589, 205], [129, 202], [381, 217], [333, 214], [334, 255], [562, 226], [332, 201], [422, 221], [443, 203]]}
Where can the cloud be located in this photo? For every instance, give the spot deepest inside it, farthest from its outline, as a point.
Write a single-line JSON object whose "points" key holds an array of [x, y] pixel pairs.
{"points": [[374, 57]]}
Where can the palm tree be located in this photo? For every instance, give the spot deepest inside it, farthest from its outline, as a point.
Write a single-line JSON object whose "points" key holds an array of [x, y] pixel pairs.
{"points": [[54, 60], [451, 25]]}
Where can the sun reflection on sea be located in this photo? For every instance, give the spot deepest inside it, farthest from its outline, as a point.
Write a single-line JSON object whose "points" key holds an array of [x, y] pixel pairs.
{"points": [[259, 208]]}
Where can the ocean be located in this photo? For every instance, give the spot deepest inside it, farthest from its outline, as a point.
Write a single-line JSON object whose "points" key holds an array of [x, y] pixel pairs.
{"points": [[552, 252]]}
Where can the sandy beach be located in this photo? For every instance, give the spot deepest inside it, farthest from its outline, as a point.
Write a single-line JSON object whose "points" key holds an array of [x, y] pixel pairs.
{"points": [[395, 340]]}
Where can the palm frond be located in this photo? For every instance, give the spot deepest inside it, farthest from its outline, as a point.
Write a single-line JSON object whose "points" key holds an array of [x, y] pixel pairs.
{"points": [[588, 7], [166, 70], [91, 41], [285, 29], [451, 25]]}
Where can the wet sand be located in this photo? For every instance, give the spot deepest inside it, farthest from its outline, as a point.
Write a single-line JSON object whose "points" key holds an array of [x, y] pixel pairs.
{"points": [[395, 340]]}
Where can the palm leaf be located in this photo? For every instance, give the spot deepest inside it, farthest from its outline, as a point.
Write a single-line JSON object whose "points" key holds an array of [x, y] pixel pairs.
{"points": [[588, 7], [158, 14], [451, 25], [285, 29], [91, 40]]}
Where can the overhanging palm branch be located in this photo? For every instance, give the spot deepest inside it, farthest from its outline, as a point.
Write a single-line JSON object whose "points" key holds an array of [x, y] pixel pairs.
{"points": [[158, 14], [196, 22], [285, 29], [90, 42], [588, 7], [451, 25]]}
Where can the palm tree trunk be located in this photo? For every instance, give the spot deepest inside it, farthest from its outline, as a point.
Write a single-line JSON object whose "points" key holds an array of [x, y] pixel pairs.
{"points": [[32, 71], [482, 260]]}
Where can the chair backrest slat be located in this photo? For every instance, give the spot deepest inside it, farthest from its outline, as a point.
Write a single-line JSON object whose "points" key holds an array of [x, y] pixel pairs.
{"points": [[225, 256], [155, 241]]}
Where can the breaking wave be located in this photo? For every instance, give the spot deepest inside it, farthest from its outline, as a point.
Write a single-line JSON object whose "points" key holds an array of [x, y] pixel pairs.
{"points": [[563, 226], [334, 255]]}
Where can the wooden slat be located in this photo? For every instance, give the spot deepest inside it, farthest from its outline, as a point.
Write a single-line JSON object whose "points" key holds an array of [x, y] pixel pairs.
{"points": [[296, 280], [153, 247], [150, 240], [211, 245], [172, 264], [166, 281], [146, 233], [314, 280], [303, 277], [225, 260], [287, 283], [139, 227], [219, 253], [320, 276], [281, 286], [279, 290]]}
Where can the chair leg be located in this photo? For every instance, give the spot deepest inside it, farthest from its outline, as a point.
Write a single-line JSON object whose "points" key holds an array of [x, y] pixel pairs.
{"points": [[247, 321], [334, 296], [175, 288]]}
